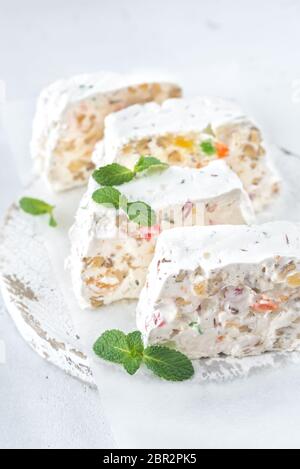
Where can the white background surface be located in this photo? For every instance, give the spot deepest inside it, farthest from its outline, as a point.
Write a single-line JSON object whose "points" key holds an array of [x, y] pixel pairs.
{"points": [[243, 49]]}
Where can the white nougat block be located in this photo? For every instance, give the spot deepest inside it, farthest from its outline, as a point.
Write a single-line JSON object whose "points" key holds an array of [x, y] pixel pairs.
{"points": [[192, 132], [70, 117], [110, 256], [224, 290]]}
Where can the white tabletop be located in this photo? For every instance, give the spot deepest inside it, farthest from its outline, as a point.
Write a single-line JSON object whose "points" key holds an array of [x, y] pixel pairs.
{"points": [[221, 47], [40, 406]]}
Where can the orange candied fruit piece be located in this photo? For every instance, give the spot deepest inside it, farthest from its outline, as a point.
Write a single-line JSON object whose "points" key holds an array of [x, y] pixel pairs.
{"points": [[183, 142], [264, 306], [222, 150]]}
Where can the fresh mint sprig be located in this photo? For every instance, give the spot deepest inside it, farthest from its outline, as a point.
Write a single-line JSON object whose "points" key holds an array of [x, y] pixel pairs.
{"points": [[115, 174], [116, 347], [138, 212], [38, 207], [128, 350]]}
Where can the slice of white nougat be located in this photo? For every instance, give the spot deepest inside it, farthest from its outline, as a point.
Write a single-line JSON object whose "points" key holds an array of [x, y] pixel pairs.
{"points": [[192, 132], [70, 118], [110, 256], [224, 290]]}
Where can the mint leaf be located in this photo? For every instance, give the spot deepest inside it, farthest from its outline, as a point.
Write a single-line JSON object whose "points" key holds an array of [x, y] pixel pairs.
{"points": [[35, 206], [128, 350], [52, 221], [116, 347], [38, 207], [113, 175], [135, 342], [136, 347], [108, 196], [112, 346], [208, 148], [132, 364], [168, 364], [147, 163], [141, 213]]}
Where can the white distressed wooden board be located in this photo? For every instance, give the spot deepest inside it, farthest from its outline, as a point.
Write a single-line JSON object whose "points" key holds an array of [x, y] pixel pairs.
{"points": [[38, 305], [34, 299]]}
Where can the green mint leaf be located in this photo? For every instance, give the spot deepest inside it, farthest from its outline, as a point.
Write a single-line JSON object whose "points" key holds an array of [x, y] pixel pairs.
{"points": [[112, 346], [132, 364], [116, 347], [108, 196], [208, 147], [136, 347], [168, 364], [141, 213], [113, 175], [128, 350], [147, 163], [52, 221], [37, 207], [135, 342]]}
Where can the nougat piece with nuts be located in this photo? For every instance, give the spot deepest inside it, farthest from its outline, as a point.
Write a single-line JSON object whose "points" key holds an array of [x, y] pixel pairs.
{"points": [[70, 117], [193, 132], [110, 255], [224, 290]]}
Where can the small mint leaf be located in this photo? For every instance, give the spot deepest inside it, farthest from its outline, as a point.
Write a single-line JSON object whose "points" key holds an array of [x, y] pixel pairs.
{"points": [[116, 347], [108, 196], [113, 175], [35, 206], [208, 147], [38, 207], [135, 342], [52, 221], [112, 346], [168, 364], [132, 364], [141, 213], [147, 163], [136, 347]]}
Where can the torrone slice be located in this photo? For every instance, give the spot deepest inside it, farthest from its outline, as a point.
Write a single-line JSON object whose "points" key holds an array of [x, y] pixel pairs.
{"points": [[192, 132], [110, 257], [70, 117], [232, 290]]}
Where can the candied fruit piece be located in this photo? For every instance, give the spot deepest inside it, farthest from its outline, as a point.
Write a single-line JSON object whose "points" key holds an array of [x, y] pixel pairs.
{"points": [[184, 142], [294, 280], [222, 150], [263, 306]]}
